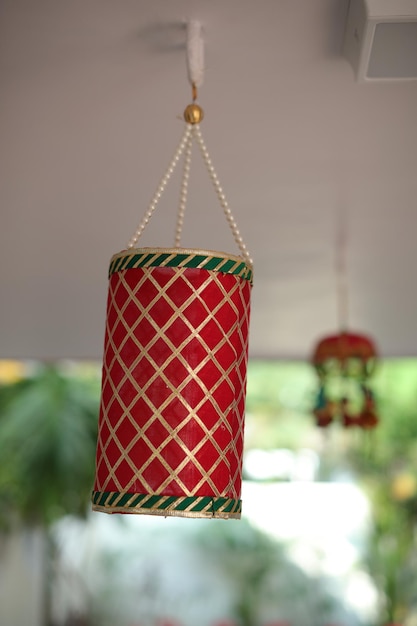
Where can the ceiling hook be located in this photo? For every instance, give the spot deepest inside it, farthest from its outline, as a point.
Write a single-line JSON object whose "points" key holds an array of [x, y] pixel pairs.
{"points": [[195, 55]]}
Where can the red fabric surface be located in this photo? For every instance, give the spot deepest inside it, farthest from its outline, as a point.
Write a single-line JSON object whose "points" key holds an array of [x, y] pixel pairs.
{"points": [[172, 366]]}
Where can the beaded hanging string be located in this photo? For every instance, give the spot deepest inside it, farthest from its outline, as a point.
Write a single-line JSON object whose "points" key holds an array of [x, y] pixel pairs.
{"points": [[193, 115]]}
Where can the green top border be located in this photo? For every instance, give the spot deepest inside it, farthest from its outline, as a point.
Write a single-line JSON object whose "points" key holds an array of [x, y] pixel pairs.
{"points": [[179, 257]]}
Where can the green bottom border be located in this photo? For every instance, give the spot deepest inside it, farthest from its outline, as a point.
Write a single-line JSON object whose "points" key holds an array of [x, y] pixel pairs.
{"points": [[180, 506]]}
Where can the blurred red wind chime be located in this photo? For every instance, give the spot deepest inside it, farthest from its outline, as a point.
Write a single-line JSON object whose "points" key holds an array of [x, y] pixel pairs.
{"points": [[170, 437], [344, 362]]}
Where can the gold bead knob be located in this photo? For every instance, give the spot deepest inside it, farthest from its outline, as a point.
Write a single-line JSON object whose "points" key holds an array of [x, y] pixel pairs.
{"points": [[193, 114]]}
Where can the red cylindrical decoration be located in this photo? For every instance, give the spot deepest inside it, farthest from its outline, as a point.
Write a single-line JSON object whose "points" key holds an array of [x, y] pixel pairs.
{"points": [[171, 418]]}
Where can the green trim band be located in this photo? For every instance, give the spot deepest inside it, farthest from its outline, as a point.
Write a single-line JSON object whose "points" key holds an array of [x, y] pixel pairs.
{"points": [[182, 506], [178, 257]]}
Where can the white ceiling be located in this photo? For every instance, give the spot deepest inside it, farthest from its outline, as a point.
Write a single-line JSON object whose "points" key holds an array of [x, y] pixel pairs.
{"points": [[92, 92]]}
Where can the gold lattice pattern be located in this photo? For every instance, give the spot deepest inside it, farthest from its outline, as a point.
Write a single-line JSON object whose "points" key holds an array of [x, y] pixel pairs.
{"points": [[174, 377]]}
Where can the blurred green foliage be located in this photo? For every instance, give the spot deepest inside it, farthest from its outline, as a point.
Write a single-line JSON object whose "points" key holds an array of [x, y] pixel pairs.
{"points": [[48, 429], [278, 403], [383, 461]]}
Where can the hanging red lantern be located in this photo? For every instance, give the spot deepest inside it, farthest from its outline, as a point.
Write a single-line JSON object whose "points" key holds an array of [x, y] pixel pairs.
{"points": [[344, 362], [171, 420], [173, 391]]}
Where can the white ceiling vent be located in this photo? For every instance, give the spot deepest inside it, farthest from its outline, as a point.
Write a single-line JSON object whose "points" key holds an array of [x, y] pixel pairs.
{"points": [[381, 39]]}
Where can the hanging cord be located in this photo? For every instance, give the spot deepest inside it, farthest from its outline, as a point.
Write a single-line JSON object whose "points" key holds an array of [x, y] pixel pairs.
{"points": [[220, 194], [341, 270], [193, 115], [184, 191], [161, 186]]}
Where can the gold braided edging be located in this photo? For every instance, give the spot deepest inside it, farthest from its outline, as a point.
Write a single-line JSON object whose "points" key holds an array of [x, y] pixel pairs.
{"points": [[180, 506], [180, 257]]}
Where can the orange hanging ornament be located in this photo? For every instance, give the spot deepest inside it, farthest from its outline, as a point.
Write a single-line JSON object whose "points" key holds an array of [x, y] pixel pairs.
{"points": [[344, 362]]}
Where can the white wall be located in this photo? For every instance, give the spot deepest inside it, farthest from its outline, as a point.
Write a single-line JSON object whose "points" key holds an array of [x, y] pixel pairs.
{"points": [[21, 578]]}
